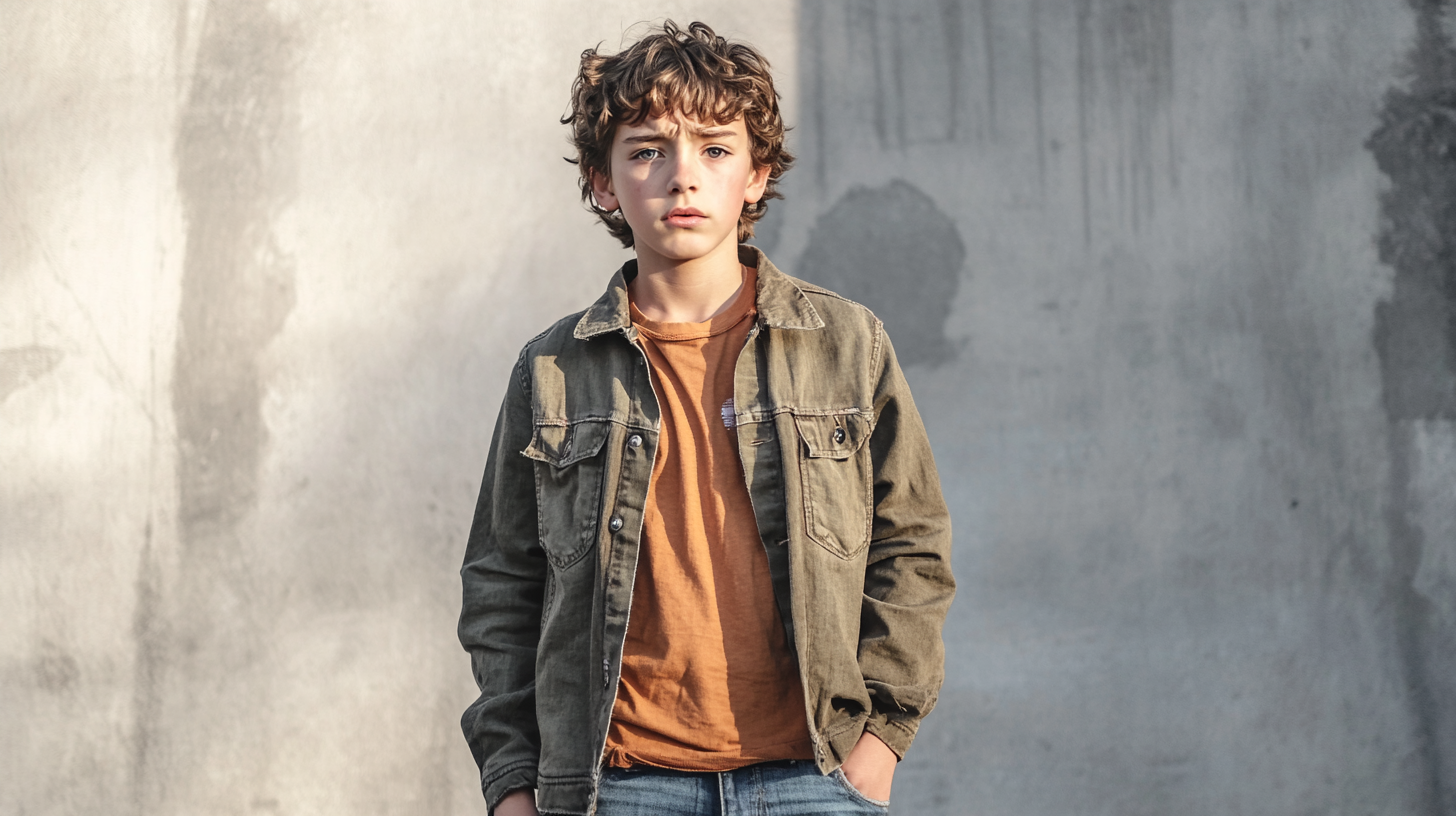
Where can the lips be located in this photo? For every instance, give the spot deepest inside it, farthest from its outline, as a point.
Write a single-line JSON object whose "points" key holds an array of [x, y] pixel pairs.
{"points": [[685, 217]]}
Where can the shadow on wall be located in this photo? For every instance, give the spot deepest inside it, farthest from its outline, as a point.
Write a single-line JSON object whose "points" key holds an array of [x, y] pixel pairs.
{"points": [[893, 250]]}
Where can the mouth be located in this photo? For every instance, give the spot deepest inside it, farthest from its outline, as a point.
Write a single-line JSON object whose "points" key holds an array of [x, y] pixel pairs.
{"points": [[685, 217]]}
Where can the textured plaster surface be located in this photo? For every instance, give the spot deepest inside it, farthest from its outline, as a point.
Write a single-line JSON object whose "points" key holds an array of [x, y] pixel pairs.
{"points": [[1171, 279], [264, 268], [1202, 554]]}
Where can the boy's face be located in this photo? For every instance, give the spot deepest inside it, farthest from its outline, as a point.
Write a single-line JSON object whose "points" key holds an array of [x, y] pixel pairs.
{"points": [[681, 185]]}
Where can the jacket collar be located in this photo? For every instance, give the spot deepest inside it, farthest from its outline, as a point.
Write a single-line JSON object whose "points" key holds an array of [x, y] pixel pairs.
{"points": [[781, 303]]}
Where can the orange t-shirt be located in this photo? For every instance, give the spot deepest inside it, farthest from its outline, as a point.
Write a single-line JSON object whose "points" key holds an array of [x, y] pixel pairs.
{"points": [[708, 682]]}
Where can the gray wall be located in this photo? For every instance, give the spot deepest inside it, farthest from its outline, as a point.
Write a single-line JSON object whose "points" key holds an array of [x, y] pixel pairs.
{"points": [[1171, 278]]}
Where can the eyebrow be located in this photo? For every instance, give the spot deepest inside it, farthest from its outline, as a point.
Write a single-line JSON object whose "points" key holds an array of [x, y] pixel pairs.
{"points": [[655, 136]]}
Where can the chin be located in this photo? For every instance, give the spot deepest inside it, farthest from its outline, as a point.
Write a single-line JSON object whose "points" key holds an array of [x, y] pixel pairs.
{"points": [[686, 250]]}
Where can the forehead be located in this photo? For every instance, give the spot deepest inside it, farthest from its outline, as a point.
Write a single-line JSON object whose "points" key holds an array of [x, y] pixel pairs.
{"points": [[671, 124]]}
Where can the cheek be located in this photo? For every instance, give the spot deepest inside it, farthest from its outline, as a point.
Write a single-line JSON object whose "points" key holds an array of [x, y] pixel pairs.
{"points": [[636, 182], [737, 187], [634, 195]]}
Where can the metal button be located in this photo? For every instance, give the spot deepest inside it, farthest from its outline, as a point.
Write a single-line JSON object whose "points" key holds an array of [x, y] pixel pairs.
{"points": [[615, 523], [635, 440], [838, 435]]}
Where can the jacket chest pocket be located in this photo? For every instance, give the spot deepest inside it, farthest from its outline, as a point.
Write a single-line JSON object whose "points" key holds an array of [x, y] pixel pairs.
{"points": [[569, 471], [838, 480]]}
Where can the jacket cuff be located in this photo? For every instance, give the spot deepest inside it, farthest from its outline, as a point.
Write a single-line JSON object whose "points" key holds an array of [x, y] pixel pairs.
{"points": [[502, 781], [896, 733]]}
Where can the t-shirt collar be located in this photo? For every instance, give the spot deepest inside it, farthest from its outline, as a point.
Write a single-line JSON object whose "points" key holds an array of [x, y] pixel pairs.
{"points": [[781, 303]]}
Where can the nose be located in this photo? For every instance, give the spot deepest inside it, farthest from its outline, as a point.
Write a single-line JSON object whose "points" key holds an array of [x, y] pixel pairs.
{"points": [[683, 176]]}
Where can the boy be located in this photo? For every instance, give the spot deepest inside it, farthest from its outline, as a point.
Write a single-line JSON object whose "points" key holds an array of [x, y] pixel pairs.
{"points": [[710, 561]]}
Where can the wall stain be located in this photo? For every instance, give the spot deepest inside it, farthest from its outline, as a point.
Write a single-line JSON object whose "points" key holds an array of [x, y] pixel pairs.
{"points": [[1415, 339], [23, 365], [954, 28], [901, 69], [1434, 495], [148, 628], [865, 16], [988, 46], [1085, 78], [1125, 73], [897, 76], [914, 60], [1033, 10], [892, 249], [56, 670], [909, 86], [813, 22], [237, 170], [1138, 38]]}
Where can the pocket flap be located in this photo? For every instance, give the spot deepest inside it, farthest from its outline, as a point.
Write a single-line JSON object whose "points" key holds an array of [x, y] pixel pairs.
{"points": [[836, 436], [562, 445]]}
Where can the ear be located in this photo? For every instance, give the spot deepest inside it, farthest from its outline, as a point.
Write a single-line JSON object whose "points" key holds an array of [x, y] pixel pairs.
{"points": [[602, 191], [757, 183]]}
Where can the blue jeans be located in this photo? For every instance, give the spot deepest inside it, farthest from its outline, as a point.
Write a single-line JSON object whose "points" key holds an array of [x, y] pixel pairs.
{"points": [[788, 788]]}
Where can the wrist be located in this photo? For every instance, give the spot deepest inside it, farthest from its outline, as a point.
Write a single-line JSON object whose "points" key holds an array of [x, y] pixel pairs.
{"points": [[519, 802]]}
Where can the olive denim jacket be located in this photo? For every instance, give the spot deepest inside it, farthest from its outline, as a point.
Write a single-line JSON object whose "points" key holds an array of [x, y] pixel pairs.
{"points": [[843, 486]]}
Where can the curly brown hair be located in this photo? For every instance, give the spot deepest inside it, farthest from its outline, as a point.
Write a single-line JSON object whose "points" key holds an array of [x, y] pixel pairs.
{"points": [[694, 73]]}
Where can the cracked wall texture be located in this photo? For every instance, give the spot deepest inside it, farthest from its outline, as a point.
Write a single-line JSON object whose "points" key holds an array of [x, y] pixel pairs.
{"points": [[1171, 279]]}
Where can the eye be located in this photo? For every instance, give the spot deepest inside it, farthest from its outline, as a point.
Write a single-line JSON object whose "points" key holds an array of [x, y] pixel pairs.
{"points": [[716, 152], [647, 154]]}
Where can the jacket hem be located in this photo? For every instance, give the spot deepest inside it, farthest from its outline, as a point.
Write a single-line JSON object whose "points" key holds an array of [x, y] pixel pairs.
{"points": [[896, 734]]}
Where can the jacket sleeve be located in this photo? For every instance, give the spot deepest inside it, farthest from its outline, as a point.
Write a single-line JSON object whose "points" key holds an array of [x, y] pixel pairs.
{"points": [[908, 584], [503, 577]]}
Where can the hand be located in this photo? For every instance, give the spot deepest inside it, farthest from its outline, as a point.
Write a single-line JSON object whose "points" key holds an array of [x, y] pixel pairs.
{"points": [[870, 767], [519, 802]]}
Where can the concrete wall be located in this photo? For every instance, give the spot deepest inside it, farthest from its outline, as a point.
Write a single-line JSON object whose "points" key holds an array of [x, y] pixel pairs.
{"points": [[1177, 280], [1172, 279]]}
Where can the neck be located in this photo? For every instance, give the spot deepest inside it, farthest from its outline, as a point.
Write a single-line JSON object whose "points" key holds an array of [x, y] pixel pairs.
{"points": [[696, 290]]}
